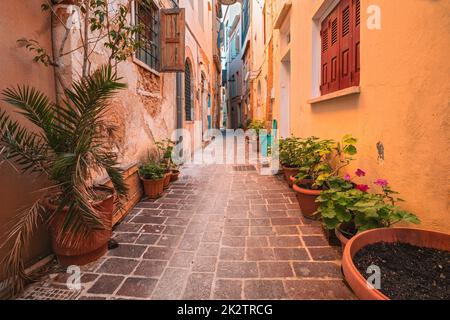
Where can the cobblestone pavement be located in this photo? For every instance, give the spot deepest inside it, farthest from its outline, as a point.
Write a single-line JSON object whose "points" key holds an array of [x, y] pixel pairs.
{"points": [[217, 233]]}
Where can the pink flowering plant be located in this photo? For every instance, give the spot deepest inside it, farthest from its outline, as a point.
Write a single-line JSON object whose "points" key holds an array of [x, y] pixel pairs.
{"points": [[351, 208]]}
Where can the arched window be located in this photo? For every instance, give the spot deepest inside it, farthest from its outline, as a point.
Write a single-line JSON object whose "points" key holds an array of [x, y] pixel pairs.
{"points": [[188, 92]]}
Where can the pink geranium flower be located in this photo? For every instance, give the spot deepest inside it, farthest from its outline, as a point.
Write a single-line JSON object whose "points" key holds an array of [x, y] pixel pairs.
{"points": [[347, 177], [382, 183], [362, 187], [360, 173]]}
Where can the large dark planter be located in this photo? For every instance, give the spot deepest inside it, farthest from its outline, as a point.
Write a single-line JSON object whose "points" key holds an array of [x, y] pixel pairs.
{"points": [[307, 200], [84, 249], [420, 238]]}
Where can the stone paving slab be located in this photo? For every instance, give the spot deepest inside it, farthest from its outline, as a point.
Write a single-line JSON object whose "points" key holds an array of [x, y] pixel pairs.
{"points": [[217, 233]]}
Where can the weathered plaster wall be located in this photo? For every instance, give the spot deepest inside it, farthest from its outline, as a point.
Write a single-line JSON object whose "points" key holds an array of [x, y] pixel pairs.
{"points": [[404, 101], [259, 62], [143, 113], [199, 52], [16, 67]]}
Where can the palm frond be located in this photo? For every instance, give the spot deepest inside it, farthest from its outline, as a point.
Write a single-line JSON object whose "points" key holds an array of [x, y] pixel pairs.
{"points": [[27, 148], [34, 105], [116, 175], [89, 94], [19, 234]]}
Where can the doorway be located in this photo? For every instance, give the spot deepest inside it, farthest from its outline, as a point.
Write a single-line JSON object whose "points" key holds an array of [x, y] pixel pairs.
{"points": [[285, 108]]}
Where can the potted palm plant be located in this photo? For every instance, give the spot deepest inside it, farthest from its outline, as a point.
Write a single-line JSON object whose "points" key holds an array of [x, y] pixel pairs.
{"points": [[68, 148], [320, 160], [152, 176]]}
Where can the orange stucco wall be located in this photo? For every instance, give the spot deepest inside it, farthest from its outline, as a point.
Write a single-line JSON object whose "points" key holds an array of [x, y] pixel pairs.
{"points": [[404, 101], [20, 19]]}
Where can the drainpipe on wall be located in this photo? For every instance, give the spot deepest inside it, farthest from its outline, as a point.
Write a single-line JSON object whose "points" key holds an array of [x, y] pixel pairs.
{"points": [[179, 101]]}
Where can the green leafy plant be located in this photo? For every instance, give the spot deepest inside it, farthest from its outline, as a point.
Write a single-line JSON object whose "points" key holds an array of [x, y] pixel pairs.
{"points": [[351, 208], [314, 163], [165, 149], [68, 149], [290, 152], [322, 159], [257, 125], [152, 171]]}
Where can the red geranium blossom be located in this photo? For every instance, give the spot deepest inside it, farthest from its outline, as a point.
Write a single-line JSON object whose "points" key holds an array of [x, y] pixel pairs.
{"points": [[362, 187]]}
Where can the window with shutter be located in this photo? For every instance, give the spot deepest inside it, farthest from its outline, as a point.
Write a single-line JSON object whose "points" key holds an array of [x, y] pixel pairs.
{"points": [[346, 44], [333, 54], [340, 66], [172, 40], [356, 8], [147, 14], [324, 87]]}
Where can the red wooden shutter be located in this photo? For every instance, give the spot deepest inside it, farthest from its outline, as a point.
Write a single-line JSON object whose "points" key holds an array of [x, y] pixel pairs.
{"points": [[346, 43], [356, 5], [325, 70], [172, 40], [335, 41]]}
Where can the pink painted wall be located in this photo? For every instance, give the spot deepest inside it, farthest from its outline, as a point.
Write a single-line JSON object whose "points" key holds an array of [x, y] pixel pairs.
{"points": [[22, 19]]}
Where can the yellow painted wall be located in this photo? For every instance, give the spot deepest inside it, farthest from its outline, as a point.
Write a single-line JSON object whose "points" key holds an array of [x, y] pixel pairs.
{"points": [[404, 101]]}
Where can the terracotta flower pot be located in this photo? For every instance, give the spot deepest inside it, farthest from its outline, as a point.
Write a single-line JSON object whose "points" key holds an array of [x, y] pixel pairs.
{"points": [[307, 200], [288, 173], [175, 175], [84, 249], [420, 238], [342, 238], [167, 177], [153, 188]]}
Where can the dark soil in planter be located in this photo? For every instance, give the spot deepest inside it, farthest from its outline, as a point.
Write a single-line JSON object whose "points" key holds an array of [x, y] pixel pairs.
{"points": [[408, 272]]}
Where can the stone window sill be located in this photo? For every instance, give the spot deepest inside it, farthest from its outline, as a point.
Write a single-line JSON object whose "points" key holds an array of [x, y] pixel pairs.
{"points": [[146, 67], [337, 94]]}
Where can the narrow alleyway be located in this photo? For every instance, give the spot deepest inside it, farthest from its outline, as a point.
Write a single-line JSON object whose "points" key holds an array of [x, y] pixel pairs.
{"points": [[220, 232]]}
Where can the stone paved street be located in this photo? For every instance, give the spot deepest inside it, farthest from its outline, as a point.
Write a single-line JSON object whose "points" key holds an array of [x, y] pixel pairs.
{"points": [[217, 233]]}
